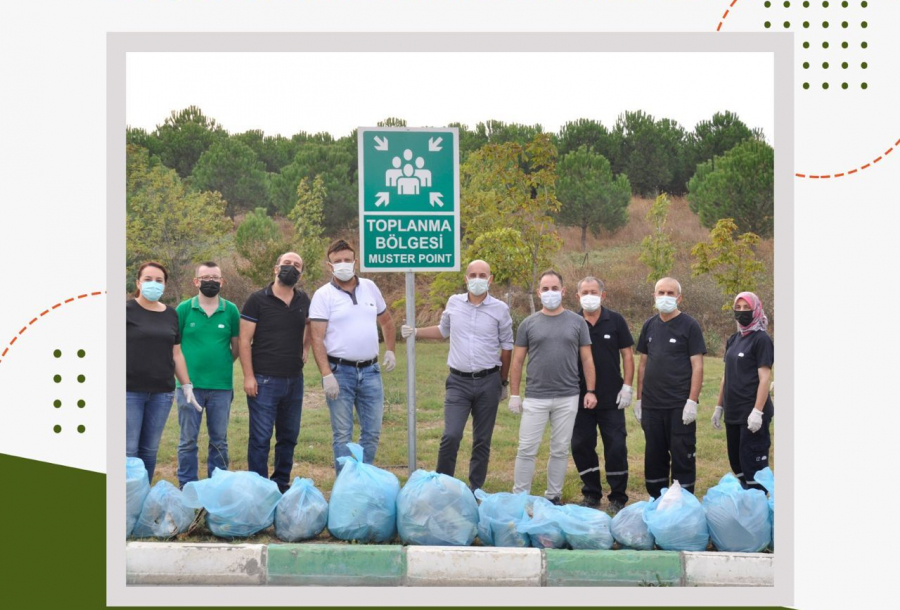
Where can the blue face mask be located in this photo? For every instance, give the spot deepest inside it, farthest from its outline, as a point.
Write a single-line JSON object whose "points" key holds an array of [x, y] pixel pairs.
{"points": [[152, 291]]}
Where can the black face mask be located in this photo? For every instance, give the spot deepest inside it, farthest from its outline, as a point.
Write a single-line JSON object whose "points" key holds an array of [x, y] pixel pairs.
{"points": [[288, 275], [743, 317], [209, 288]]}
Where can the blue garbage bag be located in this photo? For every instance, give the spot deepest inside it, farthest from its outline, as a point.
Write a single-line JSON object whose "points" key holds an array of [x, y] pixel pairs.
{"points": [[677, 520], [302, 512], [363, 501], [499, 515], [738, 518], [164, 513], [238, 504], [766, 478], [137, 486], [436, 509], [585, 528], [541, 524], [630, 530]]}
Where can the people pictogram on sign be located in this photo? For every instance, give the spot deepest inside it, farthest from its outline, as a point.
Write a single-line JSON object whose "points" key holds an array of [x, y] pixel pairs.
{"points": [[424, 175], [408, 180], [409, 184], [391, 175]]}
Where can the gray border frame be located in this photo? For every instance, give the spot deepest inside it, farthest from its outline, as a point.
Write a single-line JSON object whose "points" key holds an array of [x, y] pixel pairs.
{"points": [[118, 44]]}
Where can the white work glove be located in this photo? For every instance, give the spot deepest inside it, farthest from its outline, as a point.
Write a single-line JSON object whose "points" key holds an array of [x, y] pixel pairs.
{"points": [[515, 404], [406, 331], [754, 422], [624, 397], [504, 392], [637, 409], [390, 361], [188, 390], [690, 412], [717, 418], [332, 389]]}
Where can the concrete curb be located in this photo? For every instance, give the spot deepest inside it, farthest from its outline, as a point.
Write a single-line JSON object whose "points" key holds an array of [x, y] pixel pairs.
{"points": [[162, 563]]}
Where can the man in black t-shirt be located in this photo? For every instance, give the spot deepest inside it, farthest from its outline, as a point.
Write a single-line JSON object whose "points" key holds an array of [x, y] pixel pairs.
{"points": [[274, 345], [670, 377]]}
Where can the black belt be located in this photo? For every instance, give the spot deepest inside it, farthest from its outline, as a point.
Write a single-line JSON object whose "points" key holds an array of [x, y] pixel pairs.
{"points": [[476, 374], [357, 363]]}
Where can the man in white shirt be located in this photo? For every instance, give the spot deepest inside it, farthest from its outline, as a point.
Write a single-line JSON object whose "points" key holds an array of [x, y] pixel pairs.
{"points": [[343, 317], [481, 341]]}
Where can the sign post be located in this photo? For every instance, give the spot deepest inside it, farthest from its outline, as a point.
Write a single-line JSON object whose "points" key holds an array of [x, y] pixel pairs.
{"points": [[409, 217]]}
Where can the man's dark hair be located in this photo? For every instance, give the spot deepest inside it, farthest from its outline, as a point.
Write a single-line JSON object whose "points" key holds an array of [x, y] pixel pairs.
{"points": [[206, 264], [551, 272], [337, 246]]}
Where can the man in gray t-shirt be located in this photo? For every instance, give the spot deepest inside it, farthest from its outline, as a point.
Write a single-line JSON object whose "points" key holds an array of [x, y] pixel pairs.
{"points": [[554, 339]]}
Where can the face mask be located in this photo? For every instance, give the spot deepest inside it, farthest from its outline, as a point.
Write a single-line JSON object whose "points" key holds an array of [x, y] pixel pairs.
{"points": [[343, 271], [590, 302], [288, 275], [209, 288], [744, 318], [666, 304], [551, 299], [477, 286], [152, 291]]}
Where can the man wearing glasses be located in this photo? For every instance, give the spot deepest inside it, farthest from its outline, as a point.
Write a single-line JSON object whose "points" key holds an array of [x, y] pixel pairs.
{"points": [[209, 328]]}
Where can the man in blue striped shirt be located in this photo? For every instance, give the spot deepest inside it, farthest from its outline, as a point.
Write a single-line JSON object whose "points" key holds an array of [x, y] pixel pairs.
{"points": [[481, 341]]}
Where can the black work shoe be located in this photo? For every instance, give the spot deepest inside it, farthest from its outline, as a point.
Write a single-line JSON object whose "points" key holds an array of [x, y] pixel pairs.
{"points": [[590, 502], [557, 501], [614, 507]]}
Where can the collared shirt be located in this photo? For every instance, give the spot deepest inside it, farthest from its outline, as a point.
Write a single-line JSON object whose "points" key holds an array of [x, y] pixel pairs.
{"points": [[206, 343], [669, 347], [352, 331], [477, 332], [609, 335], [278, 340], [744, 356]]}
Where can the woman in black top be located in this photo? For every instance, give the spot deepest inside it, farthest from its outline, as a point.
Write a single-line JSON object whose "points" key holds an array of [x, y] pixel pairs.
{"points": [[153, 359], [744, 394]]}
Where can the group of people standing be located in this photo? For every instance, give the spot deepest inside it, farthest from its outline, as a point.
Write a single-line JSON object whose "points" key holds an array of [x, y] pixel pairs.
{"points": [[579, 375]]}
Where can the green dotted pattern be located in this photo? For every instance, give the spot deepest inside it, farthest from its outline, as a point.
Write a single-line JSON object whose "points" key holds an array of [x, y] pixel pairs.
{"points": [[846, 23], [57, 403]]}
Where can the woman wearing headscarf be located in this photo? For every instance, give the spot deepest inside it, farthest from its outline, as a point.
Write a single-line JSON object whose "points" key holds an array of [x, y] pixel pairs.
{"points": [[744, 394], [153, 359]]}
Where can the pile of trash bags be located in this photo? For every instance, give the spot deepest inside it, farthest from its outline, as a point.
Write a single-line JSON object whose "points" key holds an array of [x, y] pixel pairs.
{"points": [[677, 520], [137, 487], [568, 526], [238, 504], [738, 518], [164, 513], [766, 478], [499, 515], [630, 530], [302, 512], [436, 509], [363, 501]]}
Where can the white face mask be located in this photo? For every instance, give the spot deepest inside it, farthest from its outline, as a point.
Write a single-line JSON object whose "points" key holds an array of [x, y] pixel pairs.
{"points": [[666, 304], [343, 271], [477, 286], [590, 302], [551, 299]]}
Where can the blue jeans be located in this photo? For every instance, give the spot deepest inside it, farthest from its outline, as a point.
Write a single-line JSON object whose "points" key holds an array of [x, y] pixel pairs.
{"points": [[278, 403], [360, 388], [217, 404], [145, 418]]}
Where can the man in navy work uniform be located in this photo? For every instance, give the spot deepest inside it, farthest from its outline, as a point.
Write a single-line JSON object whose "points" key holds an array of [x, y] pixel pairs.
{"points": [[610, 341], [345, 315], [670, 377], [274, 345], [481, 342]]}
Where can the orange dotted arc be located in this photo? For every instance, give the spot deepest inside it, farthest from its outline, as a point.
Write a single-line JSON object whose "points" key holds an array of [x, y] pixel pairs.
{"points": [[725, 16], [852, 171], [44, 313]]}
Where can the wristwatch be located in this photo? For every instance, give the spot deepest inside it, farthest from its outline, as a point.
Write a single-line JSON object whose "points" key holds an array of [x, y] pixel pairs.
{"points": [[591, 392], [504, 383]]}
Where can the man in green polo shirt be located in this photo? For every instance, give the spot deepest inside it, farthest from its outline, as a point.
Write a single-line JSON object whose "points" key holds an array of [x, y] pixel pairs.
{"points": [[209, 326]]}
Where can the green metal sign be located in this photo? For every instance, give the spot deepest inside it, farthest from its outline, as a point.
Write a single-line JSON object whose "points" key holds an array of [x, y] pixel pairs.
{"points": [[408, 199]]}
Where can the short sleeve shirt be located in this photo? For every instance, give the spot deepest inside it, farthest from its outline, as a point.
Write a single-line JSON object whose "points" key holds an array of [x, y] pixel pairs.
{"points": [[352, 331], [553, 344], [277, 349], [206, 343], [150, 337], [477, 332], [744, 356], [609, 335], [669, 347]]}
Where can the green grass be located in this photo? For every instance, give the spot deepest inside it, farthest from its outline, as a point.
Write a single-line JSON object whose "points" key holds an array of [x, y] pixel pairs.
{"points": [[313, 456]]}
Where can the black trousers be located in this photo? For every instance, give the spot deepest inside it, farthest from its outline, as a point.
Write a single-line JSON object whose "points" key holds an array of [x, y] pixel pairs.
{"points": [[748, 452], [669, 443], [479, 397], [615, 451]]}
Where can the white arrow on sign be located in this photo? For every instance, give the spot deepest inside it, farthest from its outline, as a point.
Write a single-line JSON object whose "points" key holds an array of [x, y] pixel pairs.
{"points": [[435, 198], [381, 143], [434, 145], [383, 198]]}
